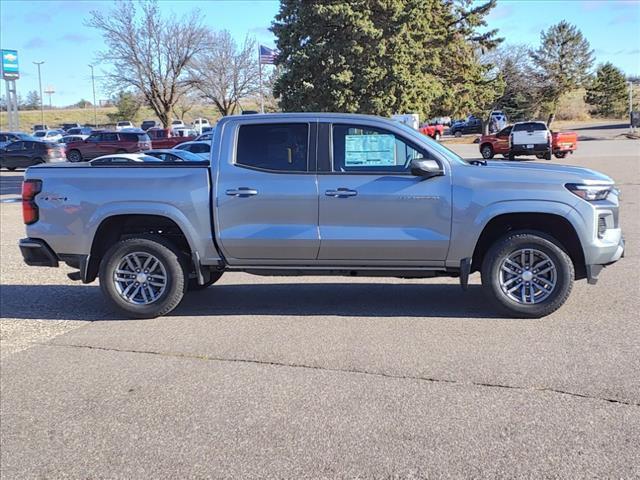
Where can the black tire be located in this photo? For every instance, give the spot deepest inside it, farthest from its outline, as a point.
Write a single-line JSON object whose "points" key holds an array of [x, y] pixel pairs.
{"points": [[457, 134], [511, 157], [122, 150], [11, 169], [172, 261], [38, 161], [507, 245], [547, 155], [560, 154], [486, 151], [540, 155], [74, 156]]}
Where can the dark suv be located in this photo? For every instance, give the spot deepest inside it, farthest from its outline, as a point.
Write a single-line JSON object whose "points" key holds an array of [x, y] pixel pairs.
{"points": [[470, 125], [25, 153], [106, 143]]}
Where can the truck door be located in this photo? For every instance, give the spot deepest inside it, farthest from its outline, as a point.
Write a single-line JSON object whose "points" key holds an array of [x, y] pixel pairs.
{"points": [[371, 207], [266, 193]]}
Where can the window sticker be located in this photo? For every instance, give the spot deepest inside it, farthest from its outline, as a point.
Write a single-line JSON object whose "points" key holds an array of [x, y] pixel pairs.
{"points": [[369, 150]]}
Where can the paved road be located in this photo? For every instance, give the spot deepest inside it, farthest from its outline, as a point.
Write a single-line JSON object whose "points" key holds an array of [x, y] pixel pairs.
{"points": [[323, 377]]}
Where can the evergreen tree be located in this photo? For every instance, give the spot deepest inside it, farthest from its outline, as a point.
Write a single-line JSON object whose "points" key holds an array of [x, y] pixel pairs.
{"points": [[127, 104], [562, 61], [608, 92], [383, 56], [32, 101]]}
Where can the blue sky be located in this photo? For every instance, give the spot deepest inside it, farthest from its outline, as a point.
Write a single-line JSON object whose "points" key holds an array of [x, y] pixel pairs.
{"points": [[53, 31]]}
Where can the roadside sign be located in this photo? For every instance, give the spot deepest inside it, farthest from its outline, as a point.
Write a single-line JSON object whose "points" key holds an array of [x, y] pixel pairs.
{"points": [[10, 65]]}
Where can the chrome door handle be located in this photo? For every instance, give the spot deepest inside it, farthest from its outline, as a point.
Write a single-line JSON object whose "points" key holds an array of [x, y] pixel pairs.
{"points": [[341, 192], [242, 192]]}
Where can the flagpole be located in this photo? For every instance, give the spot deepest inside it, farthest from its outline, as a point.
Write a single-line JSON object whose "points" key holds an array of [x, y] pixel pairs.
{"points": [[260, 76]]}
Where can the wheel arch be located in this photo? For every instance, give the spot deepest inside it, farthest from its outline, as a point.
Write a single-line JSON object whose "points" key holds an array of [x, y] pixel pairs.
{"points": [[552, 225], [114, 228]]}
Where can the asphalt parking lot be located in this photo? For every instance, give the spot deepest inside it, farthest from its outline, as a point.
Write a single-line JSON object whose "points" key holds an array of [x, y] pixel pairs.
{"points": [[323, 377]]}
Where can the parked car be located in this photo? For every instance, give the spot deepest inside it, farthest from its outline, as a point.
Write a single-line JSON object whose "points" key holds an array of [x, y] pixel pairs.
{"points": [[499, 119], [465, 127], [25, 153], [7, 137], [107, 142], [434, 131], [208, 136], [562, 143], [147, 124], [165, 138], [530, 138], [202, 148], [124, 158], [49, 135], [199, 123], [67, 126], [364, 196], [80, 131], [175, 155], [73, 138], [124, 124], [184, 132], [38, 127]]}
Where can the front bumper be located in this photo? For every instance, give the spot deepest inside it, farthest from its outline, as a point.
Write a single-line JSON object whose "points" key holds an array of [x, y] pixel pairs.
{"points": [[594, 270], [37, 253]]}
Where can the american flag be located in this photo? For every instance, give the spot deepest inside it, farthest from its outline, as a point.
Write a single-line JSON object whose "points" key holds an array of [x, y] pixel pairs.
{"points": [[267, 55]]}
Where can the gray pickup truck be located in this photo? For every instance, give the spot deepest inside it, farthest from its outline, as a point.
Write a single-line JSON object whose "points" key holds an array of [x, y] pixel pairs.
{"points": [[322, 194]]}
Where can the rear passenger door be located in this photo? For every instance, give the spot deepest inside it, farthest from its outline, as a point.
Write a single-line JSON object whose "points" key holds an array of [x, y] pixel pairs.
{"points": [[266, 195], [109, 144]]}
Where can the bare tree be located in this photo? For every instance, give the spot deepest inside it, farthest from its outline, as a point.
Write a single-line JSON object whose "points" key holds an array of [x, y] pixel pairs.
{"points": [[185, 105], [148, 52], [226, 73]]}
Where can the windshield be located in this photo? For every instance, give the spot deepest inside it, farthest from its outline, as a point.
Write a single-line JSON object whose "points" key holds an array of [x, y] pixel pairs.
{"points": [[438, 147], [40, 133]]}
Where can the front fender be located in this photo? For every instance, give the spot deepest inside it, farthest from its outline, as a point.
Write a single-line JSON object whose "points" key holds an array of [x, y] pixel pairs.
{"points": [[467, 225]]}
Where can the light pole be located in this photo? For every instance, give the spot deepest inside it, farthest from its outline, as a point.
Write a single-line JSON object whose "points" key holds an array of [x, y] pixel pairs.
{"points": [[93, 83], [40, 84], [50, 91]]}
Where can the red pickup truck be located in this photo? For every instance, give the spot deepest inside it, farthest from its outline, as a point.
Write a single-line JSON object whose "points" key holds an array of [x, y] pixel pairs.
{"points": [[163, 138], [433, 131], [562, 143]]}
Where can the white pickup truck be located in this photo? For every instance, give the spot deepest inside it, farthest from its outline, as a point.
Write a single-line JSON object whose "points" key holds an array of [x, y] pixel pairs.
{"points": [[530, 138]]}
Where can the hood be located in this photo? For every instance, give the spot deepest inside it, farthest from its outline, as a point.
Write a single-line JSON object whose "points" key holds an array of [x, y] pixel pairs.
{"points": [[561, 172]]}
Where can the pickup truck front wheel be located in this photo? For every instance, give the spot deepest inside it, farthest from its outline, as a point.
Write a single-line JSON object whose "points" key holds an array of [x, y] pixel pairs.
{"points": [[143, 277], [527, 274]]}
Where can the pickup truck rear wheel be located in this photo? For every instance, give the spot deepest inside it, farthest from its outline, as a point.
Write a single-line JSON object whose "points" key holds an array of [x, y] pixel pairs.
{"points": [[560, 154], [143, 277], [527, 274]]}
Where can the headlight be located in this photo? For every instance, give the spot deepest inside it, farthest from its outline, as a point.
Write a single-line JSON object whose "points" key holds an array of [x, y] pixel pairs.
{"points": [[590, 193]]}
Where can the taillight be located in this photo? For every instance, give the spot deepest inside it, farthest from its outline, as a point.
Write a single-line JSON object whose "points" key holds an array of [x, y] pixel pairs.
{"points": [[30, 212]]}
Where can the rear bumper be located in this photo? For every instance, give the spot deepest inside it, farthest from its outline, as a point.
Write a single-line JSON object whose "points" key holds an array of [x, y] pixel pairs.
{"points": [[37, 253], [525, 150]]}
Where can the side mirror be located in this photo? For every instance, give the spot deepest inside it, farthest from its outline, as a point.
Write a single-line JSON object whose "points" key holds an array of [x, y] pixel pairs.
{"points": [[421, 167]]}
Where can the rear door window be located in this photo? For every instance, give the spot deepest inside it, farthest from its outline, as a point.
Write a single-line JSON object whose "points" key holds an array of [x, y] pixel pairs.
{"points": [[276, 147]]}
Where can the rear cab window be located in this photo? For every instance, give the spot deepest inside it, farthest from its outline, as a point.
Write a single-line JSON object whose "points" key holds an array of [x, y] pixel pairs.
{"points": [[273, 147], [529, 127]]}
